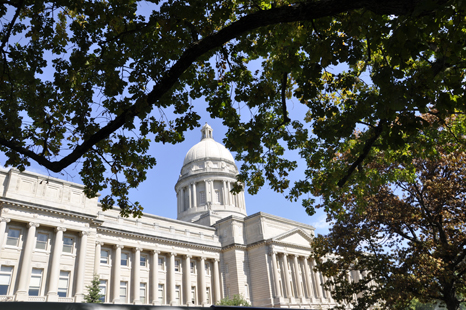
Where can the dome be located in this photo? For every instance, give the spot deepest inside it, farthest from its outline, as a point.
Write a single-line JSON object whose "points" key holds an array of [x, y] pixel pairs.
{"points": [[208, 148]]}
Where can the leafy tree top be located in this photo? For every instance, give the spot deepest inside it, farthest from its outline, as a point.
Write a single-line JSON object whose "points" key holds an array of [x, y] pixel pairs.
{"points": [[94, 83]]}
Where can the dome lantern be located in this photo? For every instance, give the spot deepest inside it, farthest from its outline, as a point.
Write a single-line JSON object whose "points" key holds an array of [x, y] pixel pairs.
{"points": [[206, 179]]}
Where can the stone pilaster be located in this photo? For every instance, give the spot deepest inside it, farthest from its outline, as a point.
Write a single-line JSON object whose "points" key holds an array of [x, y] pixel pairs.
{"points": [[154, 273], [136, 277], [116, 273], [81, 268]]}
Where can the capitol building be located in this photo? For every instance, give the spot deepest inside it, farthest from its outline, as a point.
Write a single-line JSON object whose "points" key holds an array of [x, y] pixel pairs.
{"points": [[53, 240]]}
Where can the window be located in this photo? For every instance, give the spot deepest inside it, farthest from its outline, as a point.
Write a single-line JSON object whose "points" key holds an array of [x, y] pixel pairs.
{"points": [[36, 281], [123, 291], [177, 294], [68, 245], [143, 261], [201, 197], [6, 273], [228, 291], [217, 196], [207, 295], [103, 290], [207, 268], [104, 255], [63, 283], [42, 241], [226, 268], [161, 294], [246, 291], [192, 267], [13, 237], [124, 259], [142, 292], [161, 263], [177, 265], [193, 295]]}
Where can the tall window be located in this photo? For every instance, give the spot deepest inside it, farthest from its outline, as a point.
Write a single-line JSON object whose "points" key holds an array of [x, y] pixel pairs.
{"points": [[246, 291], [177, 294], [193, 295], [207, 268], [177, 265], [6, 273], [63, 283], [227, 270], [161, 263], [42, 240], [68, 245], [36, 281], [104, 255], [192, 267], [161, 294], [202, 197], [143, 261], [123, 291], [103, 290], [142, 292], [13, 237], [207, 295], [124, 259]]}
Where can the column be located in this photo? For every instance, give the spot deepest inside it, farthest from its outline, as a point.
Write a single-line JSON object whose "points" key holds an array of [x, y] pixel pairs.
{"points": [[287, 275], [178, 204], [297, 278], [201, 281], [276, 276], [182, 200], [189, 196], [224, 193], [206, 185], [98, 250], [194, 195], [22, 293], [317, 281], [137, 277], [216, 284], [154, 272], [186, 280], [81, 267], [171, 280], [3, 221], [52, 294], [116, 273], [307, 278]]}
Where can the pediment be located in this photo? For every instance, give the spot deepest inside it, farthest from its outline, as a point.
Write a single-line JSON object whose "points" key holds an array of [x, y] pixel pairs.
{"points": [[295, 236]]}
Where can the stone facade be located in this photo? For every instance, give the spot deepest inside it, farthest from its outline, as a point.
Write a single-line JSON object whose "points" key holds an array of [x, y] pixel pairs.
{"points": [[53, 240]]}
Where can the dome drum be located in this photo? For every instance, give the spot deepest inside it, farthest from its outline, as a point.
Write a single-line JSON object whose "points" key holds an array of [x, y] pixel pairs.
{"points": [[206, 179]]}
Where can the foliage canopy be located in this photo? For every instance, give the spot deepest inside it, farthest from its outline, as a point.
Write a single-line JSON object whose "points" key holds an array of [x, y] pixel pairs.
{"points": [[237, 300], [94, 82], [402, 224], [93, 291]]}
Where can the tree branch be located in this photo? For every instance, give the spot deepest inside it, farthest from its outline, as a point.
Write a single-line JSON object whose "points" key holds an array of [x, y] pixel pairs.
{"points": [[304, 11]]}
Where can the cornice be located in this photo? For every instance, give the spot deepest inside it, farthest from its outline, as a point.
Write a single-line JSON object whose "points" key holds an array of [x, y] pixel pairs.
{"points": [[158, 240], [52, 210]]}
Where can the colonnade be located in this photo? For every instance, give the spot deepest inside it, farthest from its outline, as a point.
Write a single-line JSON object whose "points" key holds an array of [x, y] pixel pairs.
{"points": [[169, 283], [293, 277], [24, 268], [192, 202]]}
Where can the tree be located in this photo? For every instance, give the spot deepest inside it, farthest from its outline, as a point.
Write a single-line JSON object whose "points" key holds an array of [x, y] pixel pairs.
{"points": [[402, 224], [237, 300], [93, 291], [94, 83]]}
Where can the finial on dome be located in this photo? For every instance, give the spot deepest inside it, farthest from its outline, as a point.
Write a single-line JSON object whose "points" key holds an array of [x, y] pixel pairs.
{"points": [[206, 132]]}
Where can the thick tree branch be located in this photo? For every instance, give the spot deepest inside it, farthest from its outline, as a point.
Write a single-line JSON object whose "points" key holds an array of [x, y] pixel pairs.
{"points": [[303, 11], [367, 147]]}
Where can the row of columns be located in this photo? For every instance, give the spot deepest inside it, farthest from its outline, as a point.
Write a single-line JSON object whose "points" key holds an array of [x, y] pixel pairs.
{"points": [[170, 278], [25, 268], [227, 197], [310, 280]]}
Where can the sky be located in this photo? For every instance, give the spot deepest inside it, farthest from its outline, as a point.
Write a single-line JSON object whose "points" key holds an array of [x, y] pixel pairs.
{"points": [[157, 194]]}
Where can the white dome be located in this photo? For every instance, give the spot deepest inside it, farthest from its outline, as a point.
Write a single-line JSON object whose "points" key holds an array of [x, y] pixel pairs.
{"points": [[208, 148]]}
